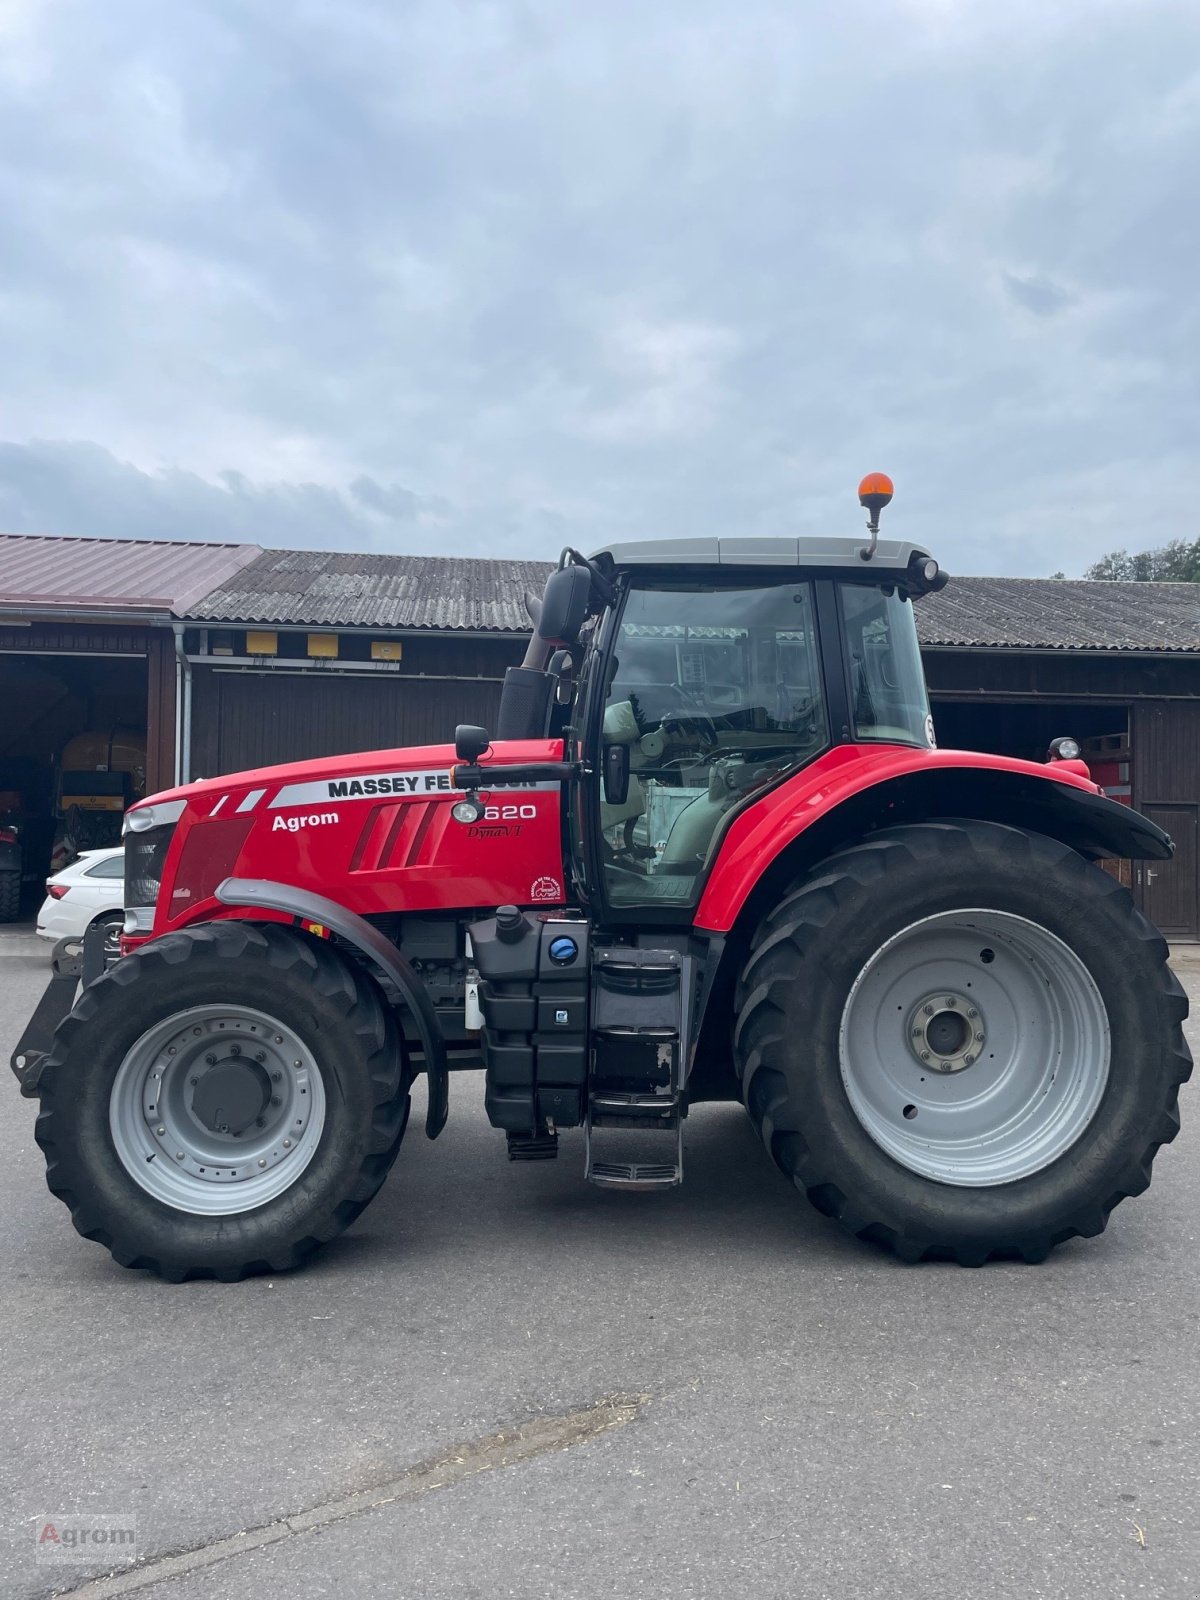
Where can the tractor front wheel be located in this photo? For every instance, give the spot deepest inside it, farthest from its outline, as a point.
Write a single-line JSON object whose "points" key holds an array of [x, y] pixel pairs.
{"points": [[962, 1040], [222, 1101]]}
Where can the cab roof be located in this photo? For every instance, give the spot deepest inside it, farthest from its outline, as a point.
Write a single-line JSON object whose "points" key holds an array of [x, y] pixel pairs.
{"points": [[890, 554]]}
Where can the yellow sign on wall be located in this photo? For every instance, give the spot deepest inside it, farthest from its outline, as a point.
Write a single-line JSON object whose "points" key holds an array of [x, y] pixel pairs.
{"points": [[261, 644], [322, 644], [387, 650]]}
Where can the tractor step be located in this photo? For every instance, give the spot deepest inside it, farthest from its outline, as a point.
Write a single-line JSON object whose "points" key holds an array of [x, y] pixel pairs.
{"points": [[640, 1174], [618, 1108], [634, 1113], [632, 1175], [635, 1081]]}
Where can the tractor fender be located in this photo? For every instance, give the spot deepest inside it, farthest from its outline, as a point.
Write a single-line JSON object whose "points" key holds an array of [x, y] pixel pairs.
{"points": [[378, 952], [853, 790]]}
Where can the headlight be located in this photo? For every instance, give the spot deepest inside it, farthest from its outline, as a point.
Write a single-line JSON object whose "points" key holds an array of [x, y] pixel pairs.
{"points": [[145, 855], [142, 818], [1065, 749]]}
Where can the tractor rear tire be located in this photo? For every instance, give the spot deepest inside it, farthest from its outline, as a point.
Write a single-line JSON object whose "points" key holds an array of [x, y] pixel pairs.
{"points": [[10, 896], [961, 1040], [223, 1101]]}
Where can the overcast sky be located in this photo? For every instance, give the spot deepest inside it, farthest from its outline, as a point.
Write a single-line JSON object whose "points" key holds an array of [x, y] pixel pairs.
{"points": [[486, 278]]}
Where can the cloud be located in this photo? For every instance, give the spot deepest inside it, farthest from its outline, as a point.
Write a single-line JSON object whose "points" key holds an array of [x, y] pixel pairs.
{"points": [[67, 488], [1038, 295], [507, 276]]}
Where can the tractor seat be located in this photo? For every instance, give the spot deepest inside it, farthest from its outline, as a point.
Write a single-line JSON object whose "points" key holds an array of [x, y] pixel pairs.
{"points": [[693, 828]]}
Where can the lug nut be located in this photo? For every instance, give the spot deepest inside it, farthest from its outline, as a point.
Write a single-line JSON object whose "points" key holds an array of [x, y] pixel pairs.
{"points": [[967, 1060], [275, 1100], [275, 1076], [259, 1123], [951, 1001], [297, 1065], [235, 1049], [193, 1082], [210, 1059], [972, 1014], [160, 1132], [278, 1038], [179, 1155], [978, 1038], [261, 1162], [287, 1144], [916, 1033], [924, 1055], [928, 1010]]}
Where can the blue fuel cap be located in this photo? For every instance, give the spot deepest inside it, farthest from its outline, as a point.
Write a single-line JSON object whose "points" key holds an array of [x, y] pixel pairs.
{"points": [[563, 950]]}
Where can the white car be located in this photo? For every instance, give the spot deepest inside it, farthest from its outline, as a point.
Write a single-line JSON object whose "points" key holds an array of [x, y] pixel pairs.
{"points": [[91, 889]]}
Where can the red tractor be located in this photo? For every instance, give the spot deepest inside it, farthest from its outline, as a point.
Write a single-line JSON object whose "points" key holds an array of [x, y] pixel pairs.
{"points": [[711, 852]]}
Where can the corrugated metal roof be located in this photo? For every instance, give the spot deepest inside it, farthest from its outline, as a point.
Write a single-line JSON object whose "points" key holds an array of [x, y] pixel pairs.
{"points": [[1062, 614], [238, 583], [120, 575], [323, 589]]}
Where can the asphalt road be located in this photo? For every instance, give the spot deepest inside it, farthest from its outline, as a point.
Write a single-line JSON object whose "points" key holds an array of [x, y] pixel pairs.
{"points": [[802, 1416]]}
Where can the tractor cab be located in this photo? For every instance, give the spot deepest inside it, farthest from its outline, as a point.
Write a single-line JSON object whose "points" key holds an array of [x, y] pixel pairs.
{"points": [[690, 676]]}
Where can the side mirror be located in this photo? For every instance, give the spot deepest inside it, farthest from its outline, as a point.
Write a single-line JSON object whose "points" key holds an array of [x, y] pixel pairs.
{"points": [[616, 774], [470, 742], [564, 605]]}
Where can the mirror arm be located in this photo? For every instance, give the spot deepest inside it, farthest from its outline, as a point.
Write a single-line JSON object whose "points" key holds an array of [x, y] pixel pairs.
{"points": [[515, 775], [604, 588]]}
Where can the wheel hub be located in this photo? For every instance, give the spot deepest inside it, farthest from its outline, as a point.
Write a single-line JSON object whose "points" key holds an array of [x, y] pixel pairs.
{"points": [[946, 1032], [231, 1095], [217, 1109], [1000, 995]]}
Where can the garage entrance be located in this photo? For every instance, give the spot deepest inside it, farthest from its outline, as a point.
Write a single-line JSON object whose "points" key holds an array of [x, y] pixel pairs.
{"points": [[72, 754]]}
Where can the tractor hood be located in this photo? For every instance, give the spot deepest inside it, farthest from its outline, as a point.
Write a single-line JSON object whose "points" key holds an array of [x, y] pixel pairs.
{"points": [[326, 772], [374, 830]]}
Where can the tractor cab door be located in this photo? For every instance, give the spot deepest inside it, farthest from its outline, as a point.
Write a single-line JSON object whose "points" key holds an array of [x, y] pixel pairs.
{"points": [[713, 694]]}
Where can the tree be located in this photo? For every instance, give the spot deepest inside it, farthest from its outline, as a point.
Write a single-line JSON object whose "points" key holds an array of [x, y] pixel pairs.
{"points": [[1175, 562]]}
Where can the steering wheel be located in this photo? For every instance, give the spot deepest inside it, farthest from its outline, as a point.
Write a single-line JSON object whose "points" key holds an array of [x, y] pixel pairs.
{"points": [[693, 713]]}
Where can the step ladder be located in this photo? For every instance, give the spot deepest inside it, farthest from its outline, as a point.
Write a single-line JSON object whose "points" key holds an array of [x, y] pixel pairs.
{"points": [[634, 1078]]}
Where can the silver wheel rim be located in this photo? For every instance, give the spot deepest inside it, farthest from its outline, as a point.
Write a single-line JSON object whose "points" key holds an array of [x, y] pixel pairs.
{"points": [[223, 1144], [974, 1047]]}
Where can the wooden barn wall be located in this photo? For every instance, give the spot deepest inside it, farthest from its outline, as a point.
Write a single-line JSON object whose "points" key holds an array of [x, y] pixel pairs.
{"points": [[160, 712], [1059, 675], [1166, 737], [70, 638], [254, 719]]}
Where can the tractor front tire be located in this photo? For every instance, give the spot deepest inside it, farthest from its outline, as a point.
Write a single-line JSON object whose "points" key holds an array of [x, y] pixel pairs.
{"points": [[961, 1040], [223, 1101]]}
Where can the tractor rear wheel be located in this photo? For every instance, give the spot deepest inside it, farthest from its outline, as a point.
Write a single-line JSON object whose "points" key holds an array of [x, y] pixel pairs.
{"points": [[962, 1040], [222, 1101]]}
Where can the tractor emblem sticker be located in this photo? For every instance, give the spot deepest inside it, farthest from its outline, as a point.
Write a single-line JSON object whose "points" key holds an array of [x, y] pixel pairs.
{"points": [[546, 889]]}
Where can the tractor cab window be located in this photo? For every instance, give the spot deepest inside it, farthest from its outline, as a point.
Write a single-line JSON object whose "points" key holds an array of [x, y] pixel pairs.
{"points": [[887, 682], [715, 693]]}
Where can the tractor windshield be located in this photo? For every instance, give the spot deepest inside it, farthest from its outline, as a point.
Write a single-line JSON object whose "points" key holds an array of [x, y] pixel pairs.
{"points": [[887, 682], [716, 692]]}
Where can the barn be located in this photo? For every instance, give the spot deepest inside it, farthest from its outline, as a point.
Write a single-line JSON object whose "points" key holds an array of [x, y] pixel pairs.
{"points": [[221, 657]]}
